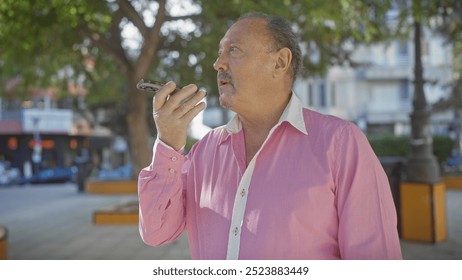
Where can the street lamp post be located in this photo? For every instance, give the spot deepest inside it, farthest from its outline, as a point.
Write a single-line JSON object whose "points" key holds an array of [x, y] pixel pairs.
{"points": [[37, 149], [422, 194], [422, 164]]}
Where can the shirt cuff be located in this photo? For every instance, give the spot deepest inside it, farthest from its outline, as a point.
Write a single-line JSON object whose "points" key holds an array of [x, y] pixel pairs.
{"points": [[170, 147], [165, 158]]}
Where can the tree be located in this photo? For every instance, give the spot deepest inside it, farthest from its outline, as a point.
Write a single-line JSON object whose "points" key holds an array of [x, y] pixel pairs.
{"points": [[41, 37], [442, 16], [38, 38]]}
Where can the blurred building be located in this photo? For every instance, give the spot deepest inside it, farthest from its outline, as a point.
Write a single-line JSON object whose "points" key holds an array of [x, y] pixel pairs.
{"points": [[37, 135], [378, 94]]}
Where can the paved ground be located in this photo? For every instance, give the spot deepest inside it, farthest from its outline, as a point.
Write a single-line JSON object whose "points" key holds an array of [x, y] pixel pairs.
{"points": [[55, 222]]}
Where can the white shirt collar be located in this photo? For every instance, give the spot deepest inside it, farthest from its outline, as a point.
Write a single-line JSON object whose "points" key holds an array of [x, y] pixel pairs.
{"points": [[293, 114]]}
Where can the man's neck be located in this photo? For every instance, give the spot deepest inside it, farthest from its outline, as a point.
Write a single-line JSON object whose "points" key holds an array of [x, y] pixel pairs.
{"points": [[266, 116], [257, 125]]}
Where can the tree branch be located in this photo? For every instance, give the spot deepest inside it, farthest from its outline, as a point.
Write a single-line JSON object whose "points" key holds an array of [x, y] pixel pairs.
{"points": [[107, 45], [133, 16], [114, 30], [193, 17], [151, 43]]}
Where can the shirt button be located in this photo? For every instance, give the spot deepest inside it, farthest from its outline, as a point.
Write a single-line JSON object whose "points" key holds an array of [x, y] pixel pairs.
{"points": [[236, 231], [243, 192], [171, 170], [174, 158]]}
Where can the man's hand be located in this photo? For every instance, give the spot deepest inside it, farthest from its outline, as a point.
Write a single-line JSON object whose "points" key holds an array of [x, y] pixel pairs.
{"points": [[172, 116]]}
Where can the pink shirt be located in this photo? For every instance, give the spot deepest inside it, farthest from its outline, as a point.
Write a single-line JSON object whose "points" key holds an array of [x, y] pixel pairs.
{"points": [[315, 190]]}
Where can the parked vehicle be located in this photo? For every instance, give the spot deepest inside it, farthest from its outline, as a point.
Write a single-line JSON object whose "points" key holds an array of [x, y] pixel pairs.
{"points": [[8, 175], [52, 175]]}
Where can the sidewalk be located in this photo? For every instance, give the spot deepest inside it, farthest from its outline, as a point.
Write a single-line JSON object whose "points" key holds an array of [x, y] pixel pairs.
{"points": [[55, 222]]}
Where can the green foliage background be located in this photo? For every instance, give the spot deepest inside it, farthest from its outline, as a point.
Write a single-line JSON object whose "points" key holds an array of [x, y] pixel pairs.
{"points": [[398, 146]]}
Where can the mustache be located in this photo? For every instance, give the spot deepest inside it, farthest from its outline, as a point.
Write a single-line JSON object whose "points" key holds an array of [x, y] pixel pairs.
{"points": [[224, 76]]}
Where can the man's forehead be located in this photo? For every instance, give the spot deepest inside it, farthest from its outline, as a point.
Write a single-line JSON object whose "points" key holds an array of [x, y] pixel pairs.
{"points": [[238, 32]]}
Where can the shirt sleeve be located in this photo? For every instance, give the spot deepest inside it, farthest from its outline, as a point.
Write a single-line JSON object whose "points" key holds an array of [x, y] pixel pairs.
{"points": [[161, 197], [366, 211]]}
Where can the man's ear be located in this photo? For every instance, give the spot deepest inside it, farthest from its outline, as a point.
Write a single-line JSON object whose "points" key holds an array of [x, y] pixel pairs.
{"points": [[283, 60]]}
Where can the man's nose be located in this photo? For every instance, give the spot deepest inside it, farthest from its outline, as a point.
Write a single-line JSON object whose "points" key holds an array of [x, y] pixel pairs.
{"points": [[220, 64]]}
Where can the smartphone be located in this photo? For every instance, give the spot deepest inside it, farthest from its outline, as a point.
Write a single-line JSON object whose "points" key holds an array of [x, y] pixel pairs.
{"points": [[154, 86], [148, 85]]}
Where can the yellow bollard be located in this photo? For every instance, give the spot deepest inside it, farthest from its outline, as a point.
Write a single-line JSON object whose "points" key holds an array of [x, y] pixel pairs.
{"points": [[423, 212], [3, 243], [453, 182]]}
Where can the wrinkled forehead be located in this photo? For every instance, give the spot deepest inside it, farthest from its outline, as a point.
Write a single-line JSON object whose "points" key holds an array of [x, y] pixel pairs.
{"points": [[246, 31]]}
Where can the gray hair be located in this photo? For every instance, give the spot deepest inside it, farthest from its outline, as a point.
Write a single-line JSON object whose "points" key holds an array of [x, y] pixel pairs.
{"points": [[281, 32]]}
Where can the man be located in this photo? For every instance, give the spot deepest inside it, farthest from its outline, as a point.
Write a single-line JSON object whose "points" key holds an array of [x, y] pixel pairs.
{"points": [[277, 182]]}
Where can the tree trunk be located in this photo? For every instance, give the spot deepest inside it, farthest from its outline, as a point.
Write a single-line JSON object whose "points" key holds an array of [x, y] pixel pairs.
{"points": [[138, 129], [137, 121]]}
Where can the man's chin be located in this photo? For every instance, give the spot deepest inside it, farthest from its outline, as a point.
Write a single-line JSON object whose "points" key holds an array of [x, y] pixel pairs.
{"points": [[226, 100]]}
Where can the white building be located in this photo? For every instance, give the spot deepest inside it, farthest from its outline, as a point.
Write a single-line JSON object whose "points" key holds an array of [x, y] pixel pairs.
{"points": [[378, 96]]}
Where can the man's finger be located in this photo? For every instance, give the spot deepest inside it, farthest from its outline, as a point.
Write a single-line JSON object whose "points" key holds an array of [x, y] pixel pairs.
{"points": [[178, 98], [191, 102], [158, 101], [191, 114]]}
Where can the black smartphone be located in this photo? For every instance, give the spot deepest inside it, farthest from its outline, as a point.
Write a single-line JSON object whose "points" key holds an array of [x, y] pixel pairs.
{"points": [[148, 85], [154, 86]]}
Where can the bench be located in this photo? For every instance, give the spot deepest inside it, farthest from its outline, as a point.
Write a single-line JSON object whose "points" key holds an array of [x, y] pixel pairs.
{"points": [[111, 187], [120, 214]]}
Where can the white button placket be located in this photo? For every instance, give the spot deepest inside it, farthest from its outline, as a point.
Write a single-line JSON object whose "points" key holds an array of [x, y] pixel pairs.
{"points": [[240, 201]]}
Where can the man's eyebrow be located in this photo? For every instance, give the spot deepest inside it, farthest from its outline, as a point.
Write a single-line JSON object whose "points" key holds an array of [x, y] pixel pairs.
{"points": [[220, 44], [230, 42]]}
